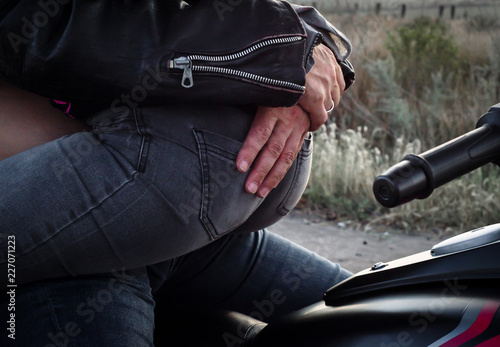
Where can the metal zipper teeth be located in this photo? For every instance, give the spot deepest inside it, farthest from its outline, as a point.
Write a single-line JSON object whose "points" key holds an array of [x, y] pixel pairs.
{"points": [[247, 51], [249, 76]]}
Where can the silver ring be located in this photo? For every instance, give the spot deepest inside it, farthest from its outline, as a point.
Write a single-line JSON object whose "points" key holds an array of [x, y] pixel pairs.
{"points": [[329, 112]]}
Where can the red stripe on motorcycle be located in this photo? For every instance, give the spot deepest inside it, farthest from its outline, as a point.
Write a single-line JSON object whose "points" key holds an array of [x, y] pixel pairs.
{"points": [[480, 324], [493, 342]]}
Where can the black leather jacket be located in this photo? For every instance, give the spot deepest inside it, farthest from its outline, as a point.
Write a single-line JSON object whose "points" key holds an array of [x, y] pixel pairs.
{"points": [[114, 53]]}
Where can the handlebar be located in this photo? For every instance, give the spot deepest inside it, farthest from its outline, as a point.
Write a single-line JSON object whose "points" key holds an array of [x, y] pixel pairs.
{"points": [[416, 176]]}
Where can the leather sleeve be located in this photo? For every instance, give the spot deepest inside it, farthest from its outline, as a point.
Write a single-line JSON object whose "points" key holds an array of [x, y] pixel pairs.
{"points": [[331, 36], [323, 31], [110, 53]]}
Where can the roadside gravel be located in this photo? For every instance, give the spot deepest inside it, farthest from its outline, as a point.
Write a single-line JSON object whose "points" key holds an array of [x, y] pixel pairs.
{"points": [[354, 249]]}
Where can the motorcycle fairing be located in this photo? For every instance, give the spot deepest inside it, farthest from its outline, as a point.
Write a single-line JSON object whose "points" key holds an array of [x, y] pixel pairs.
{"points": [[474, 328], [472, 256]]}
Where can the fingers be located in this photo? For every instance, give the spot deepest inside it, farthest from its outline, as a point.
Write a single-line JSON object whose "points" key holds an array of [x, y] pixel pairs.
{"points": [[324, 85], [316, 105], [283, 163], [258, 135], [272, 145]]}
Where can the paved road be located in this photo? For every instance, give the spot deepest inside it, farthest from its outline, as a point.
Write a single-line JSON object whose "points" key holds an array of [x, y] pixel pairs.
{"points": [[355, 250]]}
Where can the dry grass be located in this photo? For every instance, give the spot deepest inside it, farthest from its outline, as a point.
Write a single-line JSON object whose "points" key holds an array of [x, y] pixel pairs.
{"points": [[391, 119]]}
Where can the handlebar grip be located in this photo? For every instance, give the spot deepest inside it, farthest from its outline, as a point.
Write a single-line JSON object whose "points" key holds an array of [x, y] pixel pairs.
{"points": [[416, 176]]}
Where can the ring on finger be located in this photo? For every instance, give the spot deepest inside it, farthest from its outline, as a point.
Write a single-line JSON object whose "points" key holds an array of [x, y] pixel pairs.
{"points": [[329, 112]]}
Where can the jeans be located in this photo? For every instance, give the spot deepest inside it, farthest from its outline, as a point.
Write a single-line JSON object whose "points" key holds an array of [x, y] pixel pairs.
{"points": [[241, 272], [144, 186]]}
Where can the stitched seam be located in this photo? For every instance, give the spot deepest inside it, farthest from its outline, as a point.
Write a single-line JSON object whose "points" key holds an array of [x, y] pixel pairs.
{"points": [[284, 211], [205, 183], [143, 151], [221, 152], [79, 217]]}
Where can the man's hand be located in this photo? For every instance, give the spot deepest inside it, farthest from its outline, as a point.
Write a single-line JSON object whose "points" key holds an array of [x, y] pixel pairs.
{"points": [[324, 83], [276, 135], [272, 143]]}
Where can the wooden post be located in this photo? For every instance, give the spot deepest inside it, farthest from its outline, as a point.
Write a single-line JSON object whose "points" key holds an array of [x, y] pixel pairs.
{"points": [[378, 7], [452, 11], [441, 11], [403, 10]]}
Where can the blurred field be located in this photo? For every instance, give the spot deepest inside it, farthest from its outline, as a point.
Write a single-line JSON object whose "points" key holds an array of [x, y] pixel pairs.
{"points": [[409, 9], [420, 82]]}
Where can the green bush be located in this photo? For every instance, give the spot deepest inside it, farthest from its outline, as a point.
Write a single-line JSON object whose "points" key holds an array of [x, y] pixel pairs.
{"points": [[419, 49], [417, 87]]}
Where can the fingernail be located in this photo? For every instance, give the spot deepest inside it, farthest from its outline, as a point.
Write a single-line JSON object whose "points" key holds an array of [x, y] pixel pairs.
{"points": [[243, 166], [264, 192], [252, 188]]}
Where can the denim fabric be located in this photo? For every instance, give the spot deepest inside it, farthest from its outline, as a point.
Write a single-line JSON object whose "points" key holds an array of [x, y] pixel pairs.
{"points": [[114, 310], [143, 187], [259, 274], [238, 271]]}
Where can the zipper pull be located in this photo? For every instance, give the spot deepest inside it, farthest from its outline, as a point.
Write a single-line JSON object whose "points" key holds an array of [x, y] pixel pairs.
{"points": [[185, 64]]}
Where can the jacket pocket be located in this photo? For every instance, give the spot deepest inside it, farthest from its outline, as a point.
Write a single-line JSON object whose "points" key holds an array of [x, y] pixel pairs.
{"points": [[220, 65], [224, 202]]}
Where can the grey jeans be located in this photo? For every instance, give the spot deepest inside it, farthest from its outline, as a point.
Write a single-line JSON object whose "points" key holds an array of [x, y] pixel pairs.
{"points": [[259, 274], [144, 186]]}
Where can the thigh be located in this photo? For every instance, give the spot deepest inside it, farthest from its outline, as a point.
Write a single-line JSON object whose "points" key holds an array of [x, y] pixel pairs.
{"points": [[260, 274], [92, 202], [141, 188], [108, 310], [58, 203]]}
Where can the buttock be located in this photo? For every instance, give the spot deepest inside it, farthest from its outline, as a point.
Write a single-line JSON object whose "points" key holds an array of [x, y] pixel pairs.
{"points": [[189, 156], [139, 189]]}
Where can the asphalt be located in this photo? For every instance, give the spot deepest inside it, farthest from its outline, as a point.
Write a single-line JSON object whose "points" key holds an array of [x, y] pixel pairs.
{"points": [[352, 247]]}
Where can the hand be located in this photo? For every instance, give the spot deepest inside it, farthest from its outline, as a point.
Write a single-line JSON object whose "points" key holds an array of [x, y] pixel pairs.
{"points": [[276, 134], [324, 83], [272, 143]]}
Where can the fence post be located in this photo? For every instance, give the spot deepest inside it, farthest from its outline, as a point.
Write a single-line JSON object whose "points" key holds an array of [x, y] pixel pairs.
{"points": [[403, 10], [378, 7], [452, 11], [441, 11]]}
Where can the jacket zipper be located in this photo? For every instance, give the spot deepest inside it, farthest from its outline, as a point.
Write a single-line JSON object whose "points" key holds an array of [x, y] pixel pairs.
{"points": [[185, 63]]}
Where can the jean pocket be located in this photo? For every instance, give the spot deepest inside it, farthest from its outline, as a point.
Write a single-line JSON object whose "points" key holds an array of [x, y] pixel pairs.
{"points": [[224, 202]]}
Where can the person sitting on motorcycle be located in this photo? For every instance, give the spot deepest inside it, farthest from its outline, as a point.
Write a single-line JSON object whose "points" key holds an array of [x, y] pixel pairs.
{"points": [[63, 166]]}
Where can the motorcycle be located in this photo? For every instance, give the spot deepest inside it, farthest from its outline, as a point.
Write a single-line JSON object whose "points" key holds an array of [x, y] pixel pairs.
{"points": [[447, 296]]}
